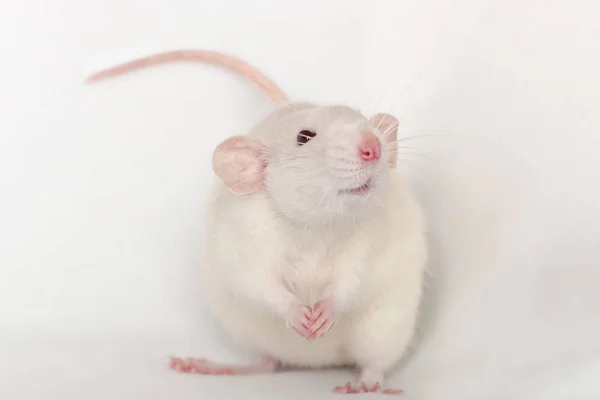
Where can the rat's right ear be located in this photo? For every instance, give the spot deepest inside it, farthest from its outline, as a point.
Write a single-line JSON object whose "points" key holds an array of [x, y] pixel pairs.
{"points": [[238, 163]]}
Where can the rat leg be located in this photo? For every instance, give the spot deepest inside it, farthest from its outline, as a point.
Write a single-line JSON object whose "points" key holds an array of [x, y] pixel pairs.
{"points": [[377, 340], [274, 296], [287, 305], [326, 312], [205, 367]]}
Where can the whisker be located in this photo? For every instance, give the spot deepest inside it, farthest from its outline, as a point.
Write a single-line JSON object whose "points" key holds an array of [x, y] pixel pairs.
{"points": [[396, 145], [402, 161], [391, 128], [409, 151], [245, 180], [402, 150], [383, 88], [406, 162], [425, 156], [422, 137], [309, 215]]}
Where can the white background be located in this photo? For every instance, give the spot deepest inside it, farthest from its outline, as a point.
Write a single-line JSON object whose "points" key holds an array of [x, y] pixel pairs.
{"points": [[102, 187]]}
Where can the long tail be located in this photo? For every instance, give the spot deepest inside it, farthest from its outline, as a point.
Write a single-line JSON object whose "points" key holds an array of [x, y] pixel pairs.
{"points": [[253, 74]]}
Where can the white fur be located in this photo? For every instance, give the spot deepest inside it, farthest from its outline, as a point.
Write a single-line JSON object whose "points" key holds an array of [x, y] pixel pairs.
{"points": [[369, 253]]}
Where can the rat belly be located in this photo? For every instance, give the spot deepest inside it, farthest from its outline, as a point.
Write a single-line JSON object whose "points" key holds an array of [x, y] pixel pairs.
{"points": [[264, 333]]}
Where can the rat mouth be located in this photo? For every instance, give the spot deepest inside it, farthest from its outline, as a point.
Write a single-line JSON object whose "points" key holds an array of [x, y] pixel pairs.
{"points": [[358, 190]]}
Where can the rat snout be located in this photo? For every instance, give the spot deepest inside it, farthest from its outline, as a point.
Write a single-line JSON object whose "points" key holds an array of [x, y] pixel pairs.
{"points": [[369, 148]]}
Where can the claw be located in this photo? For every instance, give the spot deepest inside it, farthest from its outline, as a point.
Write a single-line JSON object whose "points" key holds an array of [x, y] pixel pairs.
{"points": [[348, 388], [323, 319], [298, 318]]}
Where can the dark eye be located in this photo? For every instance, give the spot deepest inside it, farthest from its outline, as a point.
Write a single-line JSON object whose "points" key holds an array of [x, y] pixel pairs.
{"points": [[304, 137]]}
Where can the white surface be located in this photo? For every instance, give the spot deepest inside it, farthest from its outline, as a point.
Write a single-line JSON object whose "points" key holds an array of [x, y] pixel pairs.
{"points": [[102, 187]]}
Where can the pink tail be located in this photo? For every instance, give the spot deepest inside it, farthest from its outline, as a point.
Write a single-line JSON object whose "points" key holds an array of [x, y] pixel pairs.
{"points": [[258, 78]]}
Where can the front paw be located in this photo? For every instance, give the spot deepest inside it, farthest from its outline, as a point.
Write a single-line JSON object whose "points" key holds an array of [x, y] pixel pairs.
{"points": [[323, 318], [298, 317]]}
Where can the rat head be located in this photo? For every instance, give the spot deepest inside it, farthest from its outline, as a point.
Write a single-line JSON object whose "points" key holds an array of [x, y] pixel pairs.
{"points": [[317, 164]]}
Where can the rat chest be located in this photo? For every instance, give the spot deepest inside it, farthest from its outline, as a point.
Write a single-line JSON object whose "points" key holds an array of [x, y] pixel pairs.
{"points": [[307, 274]]}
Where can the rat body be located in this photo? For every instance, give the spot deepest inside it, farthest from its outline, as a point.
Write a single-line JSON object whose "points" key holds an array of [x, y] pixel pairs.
{"points": [[315, 247]]}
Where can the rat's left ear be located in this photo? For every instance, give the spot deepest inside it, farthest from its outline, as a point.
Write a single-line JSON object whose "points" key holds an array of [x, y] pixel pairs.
{"points": [[388, 126], [238, 163]]}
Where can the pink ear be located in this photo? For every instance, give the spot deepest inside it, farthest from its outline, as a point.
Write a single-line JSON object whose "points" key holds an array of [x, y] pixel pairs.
{"points": [[388, 126], [237, 161]]}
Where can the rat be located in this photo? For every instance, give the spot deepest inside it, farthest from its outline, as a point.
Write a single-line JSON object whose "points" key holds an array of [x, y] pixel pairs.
{"points": [[315, 247]]}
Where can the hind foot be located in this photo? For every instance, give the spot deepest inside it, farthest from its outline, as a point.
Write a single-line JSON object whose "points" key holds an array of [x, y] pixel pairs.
{"points": [[369, 383], [349, 388]]}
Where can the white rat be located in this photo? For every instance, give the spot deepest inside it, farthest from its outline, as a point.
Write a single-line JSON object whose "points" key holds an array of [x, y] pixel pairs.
{"points": [[315, 246]]}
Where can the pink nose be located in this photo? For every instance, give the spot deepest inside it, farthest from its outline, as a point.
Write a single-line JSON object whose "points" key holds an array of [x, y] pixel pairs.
{"points": [[370, 148]]}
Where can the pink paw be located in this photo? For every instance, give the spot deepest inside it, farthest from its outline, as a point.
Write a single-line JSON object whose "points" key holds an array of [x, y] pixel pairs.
{"points": [[322, 320], [298, 317], [348, 388]]}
